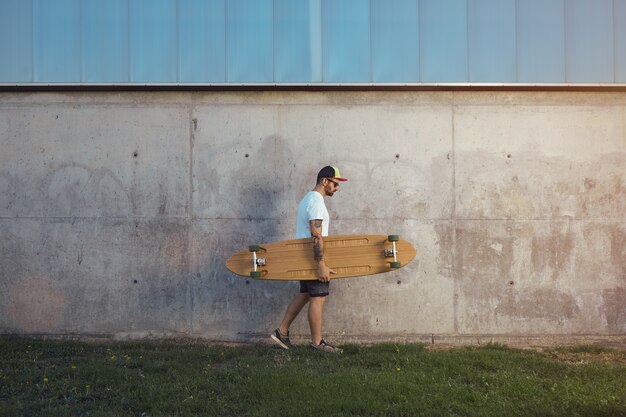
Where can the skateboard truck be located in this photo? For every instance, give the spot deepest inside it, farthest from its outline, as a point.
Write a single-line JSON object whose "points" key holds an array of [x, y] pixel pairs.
{"points": [[393, 252], [256, 261]]}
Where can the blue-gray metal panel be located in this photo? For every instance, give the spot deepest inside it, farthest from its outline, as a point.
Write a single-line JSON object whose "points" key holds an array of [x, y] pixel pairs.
{"points": [[395, 44], [153, 41], [619, 17], [105, 41], [310, 41], [250, 41], [298, 41], [346, 43], [202, 41], [540, 41], [589, 41], [491, 35], [16, 41], [57, 41], [443, 40]]}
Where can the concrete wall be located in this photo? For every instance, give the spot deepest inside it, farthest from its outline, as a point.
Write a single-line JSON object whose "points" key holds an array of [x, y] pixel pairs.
{"points": [[118, 211]]}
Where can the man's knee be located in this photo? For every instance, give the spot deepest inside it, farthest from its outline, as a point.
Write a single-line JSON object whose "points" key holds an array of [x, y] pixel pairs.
{"points": [[303, 296], [318, 300]]}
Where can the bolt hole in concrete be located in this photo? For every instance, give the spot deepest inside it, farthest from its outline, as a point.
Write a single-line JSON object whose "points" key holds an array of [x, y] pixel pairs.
{"points": [[247, 155], [134, 281], [511, 283], [397, 156], [135, 154], [508, 156], [399, 282]]}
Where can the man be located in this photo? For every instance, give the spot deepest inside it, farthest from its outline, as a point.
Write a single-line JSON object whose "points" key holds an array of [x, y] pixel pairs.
{"points": [[313, 221]]}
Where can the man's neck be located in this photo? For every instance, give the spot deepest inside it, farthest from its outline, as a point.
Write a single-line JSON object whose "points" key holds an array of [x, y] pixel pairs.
{"points": [[320, 189]]}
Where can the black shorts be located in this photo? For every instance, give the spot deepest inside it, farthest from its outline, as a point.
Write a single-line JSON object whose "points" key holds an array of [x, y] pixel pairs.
{"points": [[315, 288]]}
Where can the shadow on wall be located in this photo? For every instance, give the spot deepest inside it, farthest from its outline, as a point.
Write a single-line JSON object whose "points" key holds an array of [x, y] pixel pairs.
{"points": [[264, 186], [229, 306]]}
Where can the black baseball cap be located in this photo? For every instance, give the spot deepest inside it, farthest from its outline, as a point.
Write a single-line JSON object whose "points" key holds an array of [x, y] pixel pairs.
{"points": [[330, 172]]}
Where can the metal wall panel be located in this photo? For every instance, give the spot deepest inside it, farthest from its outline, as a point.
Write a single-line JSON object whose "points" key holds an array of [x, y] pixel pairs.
{"points": [[104, 43], [395, 41], [312, 41], [540, 41], [57, 36], [249, 41], [153, 46], [491, 36], [298, 41], [443, 41], [619, 18], [346, 43], [589, 41], [202, 41], [16, 40]]}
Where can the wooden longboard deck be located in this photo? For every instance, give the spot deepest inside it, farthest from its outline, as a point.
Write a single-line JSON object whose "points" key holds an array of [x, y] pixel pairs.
{"points": [[350, 256]]}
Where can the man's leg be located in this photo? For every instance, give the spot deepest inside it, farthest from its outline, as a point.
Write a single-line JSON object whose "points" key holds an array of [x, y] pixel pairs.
{"points": [[294, 308], [316, 312]]}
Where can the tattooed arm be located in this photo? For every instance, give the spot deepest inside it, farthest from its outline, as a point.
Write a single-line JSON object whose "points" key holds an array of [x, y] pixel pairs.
{"points": [[318, 241], [323, 271]]}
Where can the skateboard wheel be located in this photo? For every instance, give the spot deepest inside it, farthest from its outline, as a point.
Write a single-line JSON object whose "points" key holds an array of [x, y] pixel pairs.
{"points": [[395, 264], [255, 274], [393, 238], [254, 248]]}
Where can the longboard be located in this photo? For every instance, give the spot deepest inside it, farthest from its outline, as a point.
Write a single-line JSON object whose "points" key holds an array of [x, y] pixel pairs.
{"points": [[349, 256]]}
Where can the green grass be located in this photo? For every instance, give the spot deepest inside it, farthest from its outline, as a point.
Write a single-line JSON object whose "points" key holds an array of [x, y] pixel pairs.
{"points": [[61, 378]]}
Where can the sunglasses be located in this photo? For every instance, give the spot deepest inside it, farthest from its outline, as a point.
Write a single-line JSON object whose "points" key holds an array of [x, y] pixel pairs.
{"points": [[334, 182]]}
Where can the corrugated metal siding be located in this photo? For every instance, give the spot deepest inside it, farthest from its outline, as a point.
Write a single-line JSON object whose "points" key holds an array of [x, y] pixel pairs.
{"points": [[491, 39], [298, 41], [619, 16], [16, 41], [396, 23], [589, 48], [105, 41], [443, 41], [540, 41], [312, 41]]}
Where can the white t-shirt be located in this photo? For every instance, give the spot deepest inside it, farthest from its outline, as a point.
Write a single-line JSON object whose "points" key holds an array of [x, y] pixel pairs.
{"points": [[311, 207]]}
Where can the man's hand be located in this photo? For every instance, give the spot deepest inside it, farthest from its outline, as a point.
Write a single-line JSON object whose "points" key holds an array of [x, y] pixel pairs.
{"points": [[324, 272]]}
